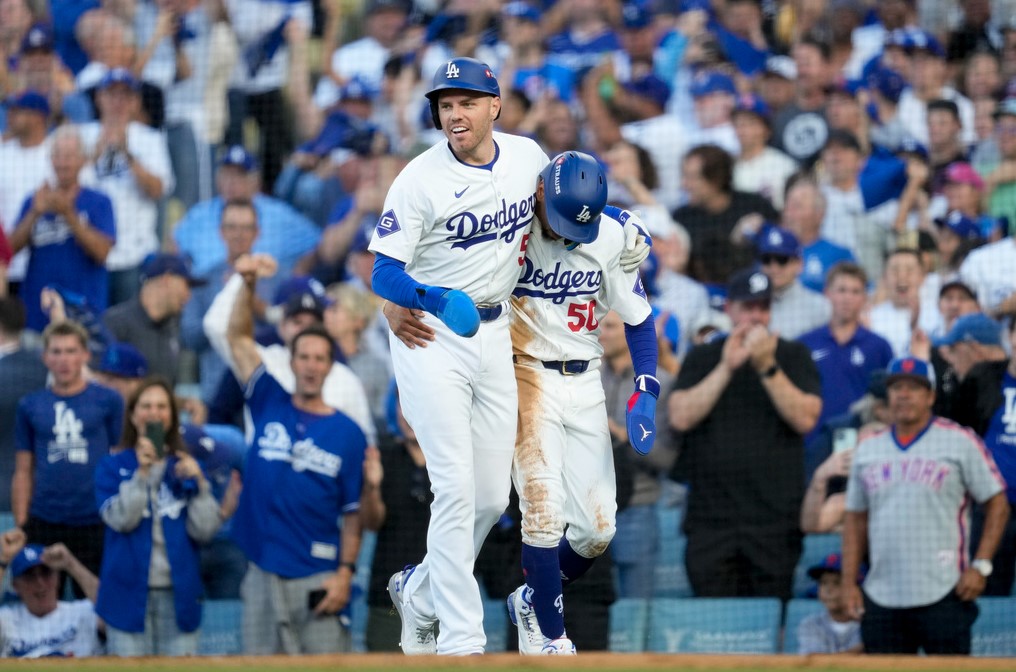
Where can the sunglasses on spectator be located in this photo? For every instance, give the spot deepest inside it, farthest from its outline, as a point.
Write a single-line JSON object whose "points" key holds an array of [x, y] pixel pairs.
{"points": [[780, 259]]}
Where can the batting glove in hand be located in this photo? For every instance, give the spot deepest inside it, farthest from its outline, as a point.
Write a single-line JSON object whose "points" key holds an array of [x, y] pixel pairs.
{"points": [[637, 244], [641, 416], [454, 308]]}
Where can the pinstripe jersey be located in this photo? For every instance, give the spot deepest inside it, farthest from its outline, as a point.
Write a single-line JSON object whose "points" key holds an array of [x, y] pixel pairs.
{"points": [[918, 501]]}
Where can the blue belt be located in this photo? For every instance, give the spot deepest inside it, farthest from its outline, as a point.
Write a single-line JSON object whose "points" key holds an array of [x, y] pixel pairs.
{"points": [[490, 313], [568, 367]]}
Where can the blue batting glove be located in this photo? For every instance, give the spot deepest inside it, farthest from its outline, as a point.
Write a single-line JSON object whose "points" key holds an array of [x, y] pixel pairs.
{"points": [[641, 415], [454, 308]]}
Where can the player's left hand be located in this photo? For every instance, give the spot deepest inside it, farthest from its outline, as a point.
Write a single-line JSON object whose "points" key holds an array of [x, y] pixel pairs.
{"points": [[970, 585], [337, 591], [641, 415], [637, 244]]}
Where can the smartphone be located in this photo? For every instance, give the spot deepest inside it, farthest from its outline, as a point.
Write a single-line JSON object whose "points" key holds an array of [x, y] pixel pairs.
{"points": [[314, 598], [156, 433], [844, 438]]}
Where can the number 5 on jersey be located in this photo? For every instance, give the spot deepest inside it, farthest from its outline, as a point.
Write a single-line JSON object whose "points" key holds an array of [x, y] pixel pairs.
{"points": [[583, 315]]}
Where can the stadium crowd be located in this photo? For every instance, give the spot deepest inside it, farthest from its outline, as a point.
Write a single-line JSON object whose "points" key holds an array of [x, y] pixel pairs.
{"points": [[188, 189]]}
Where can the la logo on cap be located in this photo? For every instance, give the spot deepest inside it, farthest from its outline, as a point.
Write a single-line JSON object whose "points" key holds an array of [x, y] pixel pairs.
{"points": [[758, 283], [31, 555], [775, 238]]}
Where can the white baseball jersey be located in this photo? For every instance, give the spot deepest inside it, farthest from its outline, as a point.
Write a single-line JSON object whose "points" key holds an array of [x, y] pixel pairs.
{"points": [[462, 226], [918, 503], [562, 295], [68, 630]]}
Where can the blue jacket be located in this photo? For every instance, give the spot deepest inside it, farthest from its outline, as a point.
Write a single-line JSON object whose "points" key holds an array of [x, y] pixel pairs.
{"points": [[123, 588]]}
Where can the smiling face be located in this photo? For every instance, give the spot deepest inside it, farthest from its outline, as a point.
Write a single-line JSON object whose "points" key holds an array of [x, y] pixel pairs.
{"points": [[903, 278], [467, 119], [37, 589]]}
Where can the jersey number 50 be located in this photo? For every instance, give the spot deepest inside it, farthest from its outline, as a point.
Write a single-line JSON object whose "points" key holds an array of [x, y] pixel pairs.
{"points": [[583, 315]]}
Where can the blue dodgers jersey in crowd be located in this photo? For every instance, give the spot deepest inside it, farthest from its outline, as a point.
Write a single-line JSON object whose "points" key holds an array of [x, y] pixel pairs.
{"points": [[58, 259], [845, 369], [303, 472], [69, 437], [1001, 435]]}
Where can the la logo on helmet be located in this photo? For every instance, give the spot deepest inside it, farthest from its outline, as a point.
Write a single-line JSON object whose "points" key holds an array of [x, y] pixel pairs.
{"points": [[452, 71], [584, 215]]}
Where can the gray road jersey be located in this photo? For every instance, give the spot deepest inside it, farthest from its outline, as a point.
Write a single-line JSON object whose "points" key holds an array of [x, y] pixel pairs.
{"points": [[918, 502]]}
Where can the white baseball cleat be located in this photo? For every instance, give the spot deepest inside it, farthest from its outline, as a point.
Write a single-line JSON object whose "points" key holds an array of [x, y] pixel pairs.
{"points": [[520, 610], [417, 632], [562, 646]]}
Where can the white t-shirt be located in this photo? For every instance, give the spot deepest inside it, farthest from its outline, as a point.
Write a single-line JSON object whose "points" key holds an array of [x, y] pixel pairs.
{"points": [[765, 175], [364, 58], [68, 630], [136, 214], [22, 171], [914, 113], [991, 272], [666, 139]]}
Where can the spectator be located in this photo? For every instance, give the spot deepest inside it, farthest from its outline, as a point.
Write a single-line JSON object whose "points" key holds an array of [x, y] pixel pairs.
{"points": [[849, 222], [824, 504], [347, 319], [239, 229], [283, 232], [759, 169], [526, 68], [896, 318], [802, 216], [776, 83], [69, 230], [976, 33], [982, 76], [986, 402], [150, 321], [714, 96], [833, 630], [303, 306], [130, 164], [971, 339], [636, 546], [158, 507], [21, 373], [712, 212], [928, 82], [120, 367], [800, 129], [259, 76], [844, 111], [794, 310], [749, 389], [945, 147], [24, 163], [1000, 181], [38, 68], [62, 433], [889, 129], [919, 593], [300, 569], [958, 236], [42, 625], [845, 352], [586, 36]]}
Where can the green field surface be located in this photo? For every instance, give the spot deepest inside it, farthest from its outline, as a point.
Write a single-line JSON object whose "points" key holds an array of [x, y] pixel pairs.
{"points": [[584, 663]]}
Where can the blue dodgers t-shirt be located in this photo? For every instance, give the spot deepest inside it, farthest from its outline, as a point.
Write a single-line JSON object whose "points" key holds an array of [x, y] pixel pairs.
{"points": [[69, 436], [303, 472], [845, 369], [1001, 436], [58, 259]]}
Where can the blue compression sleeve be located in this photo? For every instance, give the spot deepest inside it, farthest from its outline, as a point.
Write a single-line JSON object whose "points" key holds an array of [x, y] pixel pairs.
{"points": [[390, 281], [642, 346]]}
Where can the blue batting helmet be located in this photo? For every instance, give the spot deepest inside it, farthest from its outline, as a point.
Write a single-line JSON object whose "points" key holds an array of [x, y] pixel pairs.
{"points": [[575, 193], [465, 74]]}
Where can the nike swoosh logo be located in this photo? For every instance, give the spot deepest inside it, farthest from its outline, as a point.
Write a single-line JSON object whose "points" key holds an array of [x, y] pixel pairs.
{"points": [[458, 194], [819, 354]]}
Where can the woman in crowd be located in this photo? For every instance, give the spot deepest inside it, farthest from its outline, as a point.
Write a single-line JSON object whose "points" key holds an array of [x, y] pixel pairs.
{"points": [[158, 508]]}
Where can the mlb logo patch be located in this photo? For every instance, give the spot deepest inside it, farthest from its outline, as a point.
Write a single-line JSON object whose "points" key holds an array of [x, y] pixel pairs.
{"points": [[387, 224], [639, 289]]}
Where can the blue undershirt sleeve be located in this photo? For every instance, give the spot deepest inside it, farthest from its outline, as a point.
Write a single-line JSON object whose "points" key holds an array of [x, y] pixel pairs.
{"points": [[642, 346], [390, 281]]}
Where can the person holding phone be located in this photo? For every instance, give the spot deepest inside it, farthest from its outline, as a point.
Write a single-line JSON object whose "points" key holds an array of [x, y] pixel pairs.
{"points": [[158, 507]]}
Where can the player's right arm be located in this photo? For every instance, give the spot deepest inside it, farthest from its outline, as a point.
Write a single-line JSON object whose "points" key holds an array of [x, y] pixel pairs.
{"points": [[240, 330]]}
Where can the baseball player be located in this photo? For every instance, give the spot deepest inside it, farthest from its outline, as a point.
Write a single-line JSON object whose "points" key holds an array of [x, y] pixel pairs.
{"points": [[450, 245], [564, 468], [908, 506]]}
